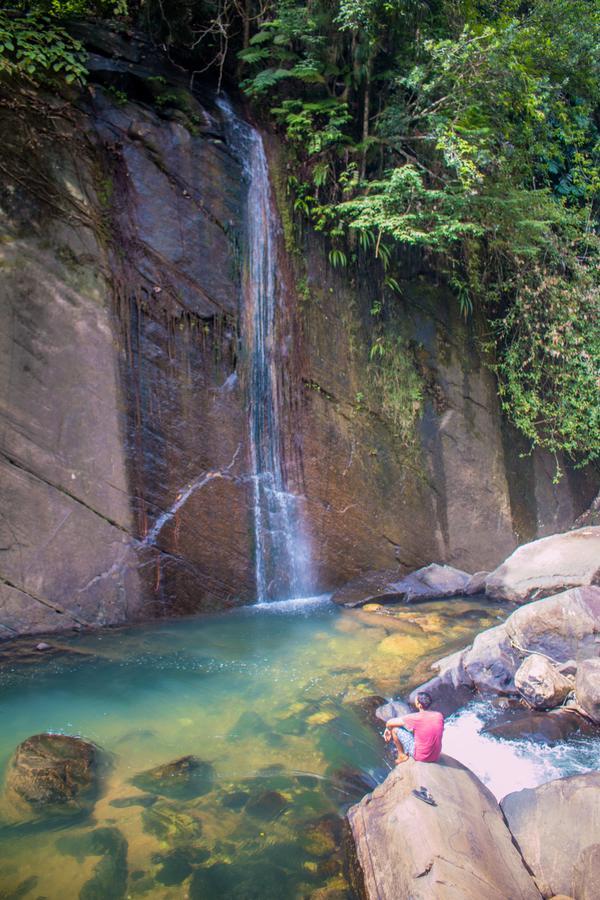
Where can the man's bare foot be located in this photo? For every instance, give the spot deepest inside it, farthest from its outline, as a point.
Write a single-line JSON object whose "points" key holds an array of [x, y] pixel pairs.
{"points": [[402, 757]]}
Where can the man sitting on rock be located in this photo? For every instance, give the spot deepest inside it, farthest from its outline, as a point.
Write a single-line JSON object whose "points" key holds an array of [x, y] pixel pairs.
{"points": [[420, 733]]}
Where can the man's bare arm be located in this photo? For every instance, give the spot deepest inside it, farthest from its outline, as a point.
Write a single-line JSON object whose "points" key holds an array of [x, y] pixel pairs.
{"points": [[395, 723]]}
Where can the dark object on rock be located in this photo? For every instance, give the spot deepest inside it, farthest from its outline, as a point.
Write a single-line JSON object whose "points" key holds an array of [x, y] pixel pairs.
{"points": [[587, 688], [555, 825], [548, 566], [181, 779], [540, 682], [462, 848], [430, 583], [423, 794], [110, 873], [53, 773]]}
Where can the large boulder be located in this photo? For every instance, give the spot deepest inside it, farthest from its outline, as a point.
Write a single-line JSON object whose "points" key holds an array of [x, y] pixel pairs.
{"points": [[456, 849], [540, 683], [53, 774], [548, 566], [557, 829], [587, 688], [565, 627], [432, 582]]}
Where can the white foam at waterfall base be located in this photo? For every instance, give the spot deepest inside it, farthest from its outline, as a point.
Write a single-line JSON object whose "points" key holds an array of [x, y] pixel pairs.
{"points": [[505, 766], [293, 605]]}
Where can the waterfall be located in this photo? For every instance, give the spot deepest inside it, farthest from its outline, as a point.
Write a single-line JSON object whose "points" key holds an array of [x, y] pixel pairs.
{"points": [[281, 557]]}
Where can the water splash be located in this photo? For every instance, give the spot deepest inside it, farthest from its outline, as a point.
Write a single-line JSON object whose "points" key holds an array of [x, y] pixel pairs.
{"points": [[281, 550], [511, 765]]}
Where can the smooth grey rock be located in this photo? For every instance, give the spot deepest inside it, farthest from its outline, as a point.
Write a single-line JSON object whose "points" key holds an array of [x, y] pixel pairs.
{"points": [[554, 826], [585, 881], [587, 688], [458, 849], [476, 584], [565, 627], [392, 709], [429, 583], [548, 566], [540, 683]]}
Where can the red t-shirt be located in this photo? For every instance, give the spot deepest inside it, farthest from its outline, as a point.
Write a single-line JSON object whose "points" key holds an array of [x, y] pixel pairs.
{"points": [[427, 726]]}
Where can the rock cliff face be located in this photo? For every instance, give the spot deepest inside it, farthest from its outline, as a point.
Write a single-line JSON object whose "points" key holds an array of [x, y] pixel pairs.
{"points": [[124, 451]]}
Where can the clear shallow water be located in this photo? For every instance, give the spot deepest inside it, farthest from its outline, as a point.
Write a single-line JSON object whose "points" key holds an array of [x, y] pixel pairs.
{"points": [[268, 697]]}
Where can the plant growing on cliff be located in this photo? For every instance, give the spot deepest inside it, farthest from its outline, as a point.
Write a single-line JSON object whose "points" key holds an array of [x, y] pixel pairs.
{"points": [[38, 49]]}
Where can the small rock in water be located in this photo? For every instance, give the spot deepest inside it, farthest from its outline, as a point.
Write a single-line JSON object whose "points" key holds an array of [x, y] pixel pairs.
{"points": [[249, 724], [266, 805], [138, 800], [322, 838], [171, 823], [180, 779], [42, 646], [235, 800]]}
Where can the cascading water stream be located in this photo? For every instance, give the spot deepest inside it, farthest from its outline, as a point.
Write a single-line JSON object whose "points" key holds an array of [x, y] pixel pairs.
{"points": [[281, 557]]}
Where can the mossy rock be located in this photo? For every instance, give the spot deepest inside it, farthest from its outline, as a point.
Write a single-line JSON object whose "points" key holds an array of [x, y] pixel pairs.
{"points": [[53, 774], [170, 822], [181, 779]]}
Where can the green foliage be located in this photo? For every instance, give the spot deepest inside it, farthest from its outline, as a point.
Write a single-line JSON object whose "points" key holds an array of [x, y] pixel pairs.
{"points": [[470, 132], [398, 385], [36, 48]]}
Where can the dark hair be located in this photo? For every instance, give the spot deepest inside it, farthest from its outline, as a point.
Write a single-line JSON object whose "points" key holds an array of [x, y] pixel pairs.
{"points": [[424, 699]]}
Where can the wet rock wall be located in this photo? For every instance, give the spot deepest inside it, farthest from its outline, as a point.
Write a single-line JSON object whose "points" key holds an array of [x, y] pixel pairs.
{"points": [[124, 458]]}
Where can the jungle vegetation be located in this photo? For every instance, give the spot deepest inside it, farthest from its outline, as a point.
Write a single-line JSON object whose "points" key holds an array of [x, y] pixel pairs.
{"points": [[466, 128]]}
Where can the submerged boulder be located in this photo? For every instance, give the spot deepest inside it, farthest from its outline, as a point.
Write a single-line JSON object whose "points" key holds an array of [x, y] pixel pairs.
{"points": [[432, 582], [458, 848], [557, 829], [565, 627], [548, 566], [53, 774], [182, 778], [540, 683], [587, 688]]}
